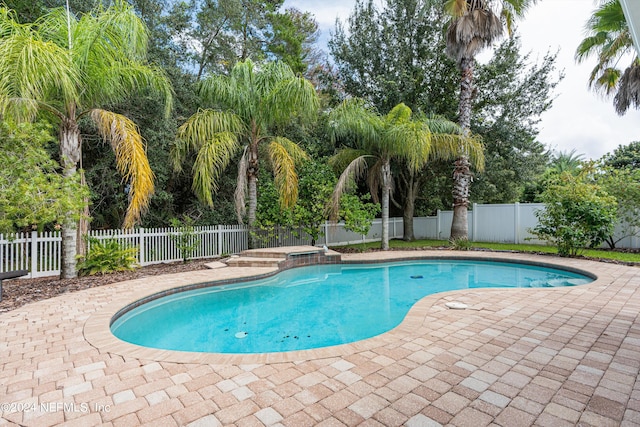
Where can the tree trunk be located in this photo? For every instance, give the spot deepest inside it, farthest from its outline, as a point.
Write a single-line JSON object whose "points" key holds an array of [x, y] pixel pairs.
{"points": [[409, 207], [252, 183], [69, 156], [386, 189], [462, 172]]}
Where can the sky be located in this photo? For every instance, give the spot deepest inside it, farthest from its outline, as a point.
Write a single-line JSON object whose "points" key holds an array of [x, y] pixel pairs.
{"points": [[579, 119]]}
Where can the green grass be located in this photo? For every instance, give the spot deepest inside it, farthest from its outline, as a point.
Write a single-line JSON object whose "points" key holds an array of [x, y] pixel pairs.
{"points": [[591, 253]]}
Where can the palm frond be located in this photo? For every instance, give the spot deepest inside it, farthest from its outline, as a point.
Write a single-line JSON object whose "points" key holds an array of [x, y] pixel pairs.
{"points": [[272, 75], [203, 126], [452, 146], [284, 155], [410, 141], [131, 160], [343, 157], [353, 121], [33, 71], [212, 159], [472, 32], [628, 89], [289, 98], [230, 92], [347, 181]]}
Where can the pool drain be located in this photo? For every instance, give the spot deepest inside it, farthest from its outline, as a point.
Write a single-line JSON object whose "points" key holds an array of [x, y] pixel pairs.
{"points": [[241, 334]]}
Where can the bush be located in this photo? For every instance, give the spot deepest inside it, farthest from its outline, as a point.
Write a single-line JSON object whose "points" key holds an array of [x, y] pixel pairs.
{"points": [[186, 239], [577, 215], [107, 256]]}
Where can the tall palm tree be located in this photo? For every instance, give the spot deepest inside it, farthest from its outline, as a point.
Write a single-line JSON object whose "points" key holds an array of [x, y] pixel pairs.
{"points": [[609, 40], [377, 141], [70, 67], [475, 24], [257, 98]]}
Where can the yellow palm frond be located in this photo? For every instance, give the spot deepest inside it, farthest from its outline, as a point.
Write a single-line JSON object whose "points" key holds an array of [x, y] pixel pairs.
{"points": [[284, 155], [131, 160]]}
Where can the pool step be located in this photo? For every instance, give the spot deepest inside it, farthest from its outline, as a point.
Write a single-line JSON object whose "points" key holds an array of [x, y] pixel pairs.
{"points": [[283, 252], [284, 257], [253, 261]]}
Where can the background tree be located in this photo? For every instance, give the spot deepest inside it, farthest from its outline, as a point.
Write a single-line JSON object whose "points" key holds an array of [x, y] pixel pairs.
{"points": [[394, 54], [623, 157], [377, 141], [33, 192], [405, 60], [292, 39], [609, 40], [512, 93], [620, 177], [474, 26], [70, 76], [257, 99], [578, 214]]}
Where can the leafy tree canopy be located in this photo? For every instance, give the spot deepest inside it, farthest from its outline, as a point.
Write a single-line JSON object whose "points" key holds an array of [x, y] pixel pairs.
{"points": [[33, 192]]}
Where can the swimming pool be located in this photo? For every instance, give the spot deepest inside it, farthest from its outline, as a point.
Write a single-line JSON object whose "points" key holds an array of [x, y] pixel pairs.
{"points": [[313, 307]]}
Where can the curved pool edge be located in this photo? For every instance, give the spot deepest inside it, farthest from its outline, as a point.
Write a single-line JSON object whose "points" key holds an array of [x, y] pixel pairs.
{"points": [[98, 333]]}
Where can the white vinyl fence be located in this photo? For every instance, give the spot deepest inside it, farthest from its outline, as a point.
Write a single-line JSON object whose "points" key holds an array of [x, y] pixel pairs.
{"points": [[506, 223]]}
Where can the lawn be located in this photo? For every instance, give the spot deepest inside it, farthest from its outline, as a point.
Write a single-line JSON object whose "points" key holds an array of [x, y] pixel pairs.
{"points": [[590, 253]]}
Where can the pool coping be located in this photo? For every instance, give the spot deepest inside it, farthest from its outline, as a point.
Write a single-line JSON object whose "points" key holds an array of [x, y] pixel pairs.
{"points": [[97, 327]]}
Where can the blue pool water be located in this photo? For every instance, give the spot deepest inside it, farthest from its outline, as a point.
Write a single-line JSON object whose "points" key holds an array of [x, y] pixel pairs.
{"points": [[314, 306]]}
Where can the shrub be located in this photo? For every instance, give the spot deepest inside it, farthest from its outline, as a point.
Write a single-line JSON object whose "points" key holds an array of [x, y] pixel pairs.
{"points": [[577, 215], [460, 244], [107, 256], [186, 239]]}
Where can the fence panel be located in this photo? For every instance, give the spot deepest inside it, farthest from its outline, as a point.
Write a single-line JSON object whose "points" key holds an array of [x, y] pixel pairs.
{"points": [[40, 252]]}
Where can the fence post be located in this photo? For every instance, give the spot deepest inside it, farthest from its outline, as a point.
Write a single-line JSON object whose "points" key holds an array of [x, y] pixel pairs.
{"points": [[34, 254], [142, 246], [218, 240], [516, 223], [438, 230]]}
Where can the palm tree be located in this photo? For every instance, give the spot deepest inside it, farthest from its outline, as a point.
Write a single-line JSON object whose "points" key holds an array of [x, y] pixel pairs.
{"points": [[566, 161], [256, 99], [70, 67], [609, 40], [380, 140], [475, 25]]}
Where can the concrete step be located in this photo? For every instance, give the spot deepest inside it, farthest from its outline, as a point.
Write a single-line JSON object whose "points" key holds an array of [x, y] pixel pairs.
{"points": [[282, 253], [215, 264], [253, 261]]}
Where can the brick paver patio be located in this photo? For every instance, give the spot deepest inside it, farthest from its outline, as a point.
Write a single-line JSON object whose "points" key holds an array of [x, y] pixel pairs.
{"points": [[517, 357]]}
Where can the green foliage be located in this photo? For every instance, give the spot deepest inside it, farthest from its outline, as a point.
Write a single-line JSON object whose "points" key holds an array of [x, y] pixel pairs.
{"points": [[315, 185], [358, 212], [107, 256], [186, 239], [33, 192], [512, 94], [292, 36], [577, 215], [624, 185], [625, 156], [395, 53], [461, 244]]}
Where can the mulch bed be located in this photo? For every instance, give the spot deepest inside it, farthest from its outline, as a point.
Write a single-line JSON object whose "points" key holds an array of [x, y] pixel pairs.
{"points": [[18, 292]]}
